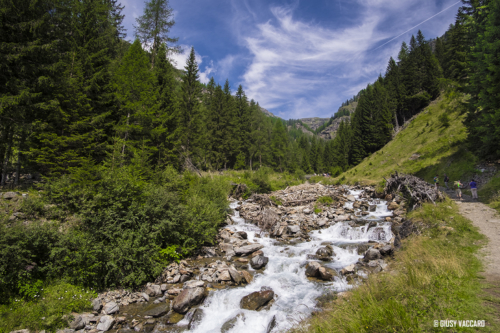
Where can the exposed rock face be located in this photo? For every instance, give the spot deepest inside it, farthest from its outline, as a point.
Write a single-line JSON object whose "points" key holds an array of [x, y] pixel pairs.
{"points": [[256, 300], [187, 298]]}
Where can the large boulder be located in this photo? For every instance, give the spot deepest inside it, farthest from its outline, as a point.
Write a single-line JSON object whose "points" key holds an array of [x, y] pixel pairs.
{"points": [[256, 300], [294, 228], [105, 323], [247, 249], [242, 234], [188, 298], [110, 308], [259, 262], [10, 195], [97, 304], [312, 269], [235, 275], [247, 276], [371, 254], [386, 250], [327, 274]]}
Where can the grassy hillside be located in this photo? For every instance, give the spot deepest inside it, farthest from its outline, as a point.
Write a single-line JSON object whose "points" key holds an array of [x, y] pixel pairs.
{"points": [[432, 143]]}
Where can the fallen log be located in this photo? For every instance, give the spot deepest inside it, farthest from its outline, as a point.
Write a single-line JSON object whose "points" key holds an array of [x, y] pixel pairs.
{"points": [[415, 190]]}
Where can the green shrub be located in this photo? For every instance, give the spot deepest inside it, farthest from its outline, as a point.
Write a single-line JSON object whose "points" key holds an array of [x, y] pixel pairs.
{"points": [[325, 200], [276, 201]]}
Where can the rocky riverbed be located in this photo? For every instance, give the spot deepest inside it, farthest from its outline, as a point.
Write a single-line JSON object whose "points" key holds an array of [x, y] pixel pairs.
{"points": [[278, 254]]}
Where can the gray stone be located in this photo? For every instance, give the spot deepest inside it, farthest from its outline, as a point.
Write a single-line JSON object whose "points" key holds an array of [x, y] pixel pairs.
{"points": [[224, 275], [271, 325], [193, 284], [372, 208], [110, 308], [372, 254], [105, 323], [327, 274], [307, 211], [196, 318], [386, 250], [248, 249], [158, 311], [10, 195], [187, 298], [145, 296], [77, 323], [325, 253], [322, 222], [350, 197], [23, 330], [97, 305], [242, 234], [312, 269], [153, 290], [259, 262], [256, 300], [293, 229], [231, 323], [164, 287], [235, 275]]}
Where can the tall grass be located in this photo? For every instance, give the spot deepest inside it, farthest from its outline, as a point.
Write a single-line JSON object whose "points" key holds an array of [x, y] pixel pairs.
{"points": [[433, 277]]}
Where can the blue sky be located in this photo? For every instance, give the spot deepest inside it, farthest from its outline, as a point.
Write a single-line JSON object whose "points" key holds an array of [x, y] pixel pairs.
{"points": [[297, 58]]}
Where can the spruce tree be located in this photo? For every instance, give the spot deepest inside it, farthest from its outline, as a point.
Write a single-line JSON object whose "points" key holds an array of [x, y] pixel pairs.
{"points": [[153, 27], [189, 112]]}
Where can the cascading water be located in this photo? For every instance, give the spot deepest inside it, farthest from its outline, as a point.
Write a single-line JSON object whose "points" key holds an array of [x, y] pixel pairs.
{"points": [[285, 274]]}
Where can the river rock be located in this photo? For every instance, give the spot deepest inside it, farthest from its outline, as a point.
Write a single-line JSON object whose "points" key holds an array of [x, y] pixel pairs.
{"points": [[196, 318], [145, 296], [307, 211], [208, 251], [242, 234], [256, 300], [226, 247], [173, 318], [97, 304], [77, 323], [322, 222], [271, 325], [193, 284], [293, 229], [312, 269], [247, 276], [235, 275], [393, 206], [231, 323], [350, 198], [257, 253], [187, 298], [386, 250], [248, 249], [351, 269], [153, 290], [110, 308], [259, 262], [105, 323], [327, 274], [23, 330], [325, 253], [371, 254], [372, 208], [158, 311], [224, 275]]}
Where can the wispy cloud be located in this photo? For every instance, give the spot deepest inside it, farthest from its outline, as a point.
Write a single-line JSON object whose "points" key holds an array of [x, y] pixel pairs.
{"points": [[301, 68]]}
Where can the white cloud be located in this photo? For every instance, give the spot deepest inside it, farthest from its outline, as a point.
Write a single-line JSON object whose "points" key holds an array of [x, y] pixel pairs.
{"points": [[179, 59], [299, 69], [205, 75]]}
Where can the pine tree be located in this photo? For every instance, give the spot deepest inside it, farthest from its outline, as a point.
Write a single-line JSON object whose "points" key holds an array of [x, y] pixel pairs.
{"points": [[166, 128], [279, 145], [137, 95], [153, 27], [189, 113]]}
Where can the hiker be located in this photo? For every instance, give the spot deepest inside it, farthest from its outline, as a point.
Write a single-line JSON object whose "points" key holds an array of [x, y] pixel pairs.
{"points": [[473, 189], [436, 181], [458, 190], [446, 180]]}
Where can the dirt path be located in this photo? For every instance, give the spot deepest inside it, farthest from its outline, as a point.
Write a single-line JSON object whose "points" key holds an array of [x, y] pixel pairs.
{"points": [[488, 221]]}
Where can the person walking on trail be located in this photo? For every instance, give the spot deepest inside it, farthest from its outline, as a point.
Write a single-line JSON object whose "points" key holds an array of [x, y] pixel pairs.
{"points": [[473, 189], [436, 181], [446, 180], [458, 189]]}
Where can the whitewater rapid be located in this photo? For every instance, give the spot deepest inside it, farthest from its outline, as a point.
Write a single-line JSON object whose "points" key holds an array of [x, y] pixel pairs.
{"points": [[285, 274]]}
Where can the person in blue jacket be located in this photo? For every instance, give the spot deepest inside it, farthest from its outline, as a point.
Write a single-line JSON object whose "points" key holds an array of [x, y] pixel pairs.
{"points": [[473, 189]]}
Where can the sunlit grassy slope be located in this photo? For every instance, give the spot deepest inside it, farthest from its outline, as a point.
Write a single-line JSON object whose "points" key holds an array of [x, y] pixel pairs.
{"points": [[429, 145]]}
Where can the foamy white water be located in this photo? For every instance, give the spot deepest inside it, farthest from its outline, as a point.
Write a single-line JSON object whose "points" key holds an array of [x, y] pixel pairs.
{"points": [[285, 274]]}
